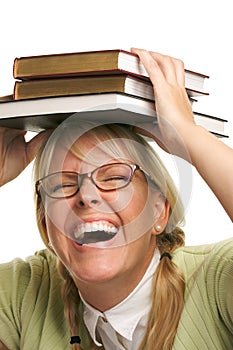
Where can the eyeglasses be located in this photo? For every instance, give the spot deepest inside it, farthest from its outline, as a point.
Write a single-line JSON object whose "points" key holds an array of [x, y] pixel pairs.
{"points": [[108, 177]]}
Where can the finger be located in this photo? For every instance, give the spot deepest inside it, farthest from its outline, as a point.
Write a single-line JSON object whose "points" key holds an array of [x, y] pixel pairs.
{"points": [[172, 68], [7, 135], [33, 146], [151, 65], [167, 65], [180, 71], [4, 130]]}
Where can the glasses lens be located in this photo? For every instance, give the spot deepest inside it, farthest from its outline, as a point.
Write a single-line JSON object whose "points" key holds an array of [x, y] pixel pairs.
{"points": [[60, 185], [112, 176]]}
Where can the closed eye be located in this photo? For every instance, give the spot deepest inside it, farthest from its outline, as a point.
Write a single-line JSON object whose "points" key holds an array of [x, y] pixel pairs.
{"points": [[61, 187], [113, 178]]}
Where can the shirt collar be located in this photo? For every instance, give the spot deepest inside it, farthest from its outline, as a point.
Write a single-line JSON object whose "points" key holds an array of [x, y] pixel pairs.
{"points": [[136, 306]]}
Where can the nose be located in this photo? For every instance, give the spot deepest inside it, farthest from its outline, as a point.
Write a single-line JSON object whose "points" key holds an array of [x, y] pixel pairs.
{"points": [[88, 194]]}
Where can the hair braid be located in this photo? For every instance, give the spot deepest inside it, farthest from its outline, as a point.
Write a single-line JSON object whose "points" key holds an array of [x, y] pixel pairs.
{"points": [[167, 296], [71, 302]]}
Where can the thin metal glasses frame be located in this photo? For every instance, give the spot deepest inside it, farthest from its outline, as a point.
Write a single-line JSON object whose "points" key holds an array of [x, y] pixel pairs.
{"points": [[81, 177]]}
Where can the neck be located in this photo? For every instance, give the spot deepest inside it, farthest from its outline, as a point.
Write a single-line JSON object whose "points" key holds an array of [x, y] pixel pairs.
{"points": [[105, 295]]}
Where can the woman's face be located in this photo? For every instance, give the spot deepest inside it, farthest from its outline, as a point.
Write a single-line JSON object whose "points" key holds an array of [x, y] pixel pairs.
{"points": [[117, 227]]}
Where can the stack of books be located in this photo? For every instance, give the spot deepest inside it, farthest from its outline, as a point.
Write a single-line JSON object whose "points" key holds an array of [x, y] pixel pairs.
{"points": [[110, 85]]}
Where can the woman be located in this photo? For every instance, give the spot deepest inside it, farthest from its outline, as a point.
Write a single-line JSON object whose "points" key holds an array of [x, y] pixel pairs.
{"points": [[111, 216]]}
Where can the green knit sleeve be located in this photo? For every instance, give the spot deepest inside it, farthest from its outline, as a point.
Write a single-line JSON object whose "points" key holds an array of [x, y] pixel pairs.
{"points": [[14, 279], [207, 318], [31, 309], [221, 286]]}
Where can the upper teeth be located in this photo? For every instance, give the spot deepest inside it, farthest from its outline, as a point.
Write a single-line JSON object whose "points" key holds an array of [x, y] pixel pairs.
{"points": [[95, 226]]}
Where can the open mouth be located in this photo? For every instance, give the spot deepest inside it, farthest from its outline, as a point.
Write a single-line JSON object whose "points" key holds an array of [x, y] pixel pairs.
{"points": [[94, 232], [94, 237]]}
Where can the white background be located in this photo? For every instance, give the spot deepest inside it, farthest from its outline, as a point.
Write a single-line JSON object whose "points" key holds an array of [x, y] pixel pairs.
{"points": [[199, 32]]}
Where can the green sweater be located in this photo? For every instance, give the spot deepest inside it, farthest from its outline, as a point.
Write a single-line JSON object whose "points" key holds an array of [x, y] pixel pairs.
{"points": [[31, 309]]}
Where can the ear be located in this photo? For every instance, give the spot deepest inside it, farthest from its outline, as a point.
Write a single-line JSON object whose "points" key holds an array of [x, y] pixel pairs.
{"points": [[162, 208]]}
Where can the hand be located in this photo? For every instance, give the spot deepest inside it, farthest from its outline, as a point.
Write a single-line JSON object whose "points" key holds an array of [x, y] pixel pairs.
{"points": [[173, 108], [177, 132], [16, 153]]}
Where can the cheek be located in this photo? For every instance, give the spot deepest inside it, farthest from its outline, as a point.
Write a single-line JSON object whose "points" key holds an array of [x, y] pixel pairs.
{"points": [[56, 215], [134, 201], [137, 212], [60, 243], [120, 200], [134, 204]]}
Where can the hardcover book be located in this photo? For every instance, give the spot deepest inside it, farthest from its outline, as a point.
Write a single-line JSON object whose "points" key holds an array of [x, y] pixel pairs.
{"points": [[91, 63], [47, 113], [85, 85]]}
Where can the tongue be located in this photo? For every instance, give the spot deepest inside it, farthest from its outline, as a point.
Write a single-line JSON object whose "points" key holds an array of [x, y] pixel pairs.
{"points": [[94, 237]]}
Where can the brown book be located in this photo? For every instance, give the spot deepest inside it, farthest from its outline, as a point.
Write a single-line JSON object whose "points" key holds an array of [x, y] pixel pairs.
{"points": [[86, 85], [90, 63], [82, 86], [6, 98]]}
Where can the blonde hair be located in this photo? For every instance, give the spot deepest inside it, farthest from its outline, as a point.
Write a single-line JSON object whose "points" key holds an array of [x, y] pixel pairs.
{"points": [[168, 283]]}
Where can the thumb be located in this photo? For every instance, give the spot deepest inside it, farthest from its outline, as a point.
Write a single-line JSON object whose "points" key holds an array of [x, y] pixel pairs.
{"points": [[33, 146]]}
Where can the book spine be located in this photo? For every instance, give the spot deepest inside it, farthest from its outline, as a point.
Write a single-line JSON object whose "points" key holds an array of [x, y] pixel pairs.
{"points": [[15, 67]]}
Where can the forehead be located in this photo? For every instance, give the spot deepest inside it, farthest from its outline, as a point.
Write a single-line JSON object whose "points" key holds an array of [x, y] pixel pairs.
{"points": [[85, 151]]}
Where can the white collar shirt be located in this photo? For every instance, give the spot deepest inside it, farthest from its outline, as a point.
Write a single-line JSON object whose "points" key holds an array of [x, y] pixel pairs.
{"points": [[123, 326]]}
